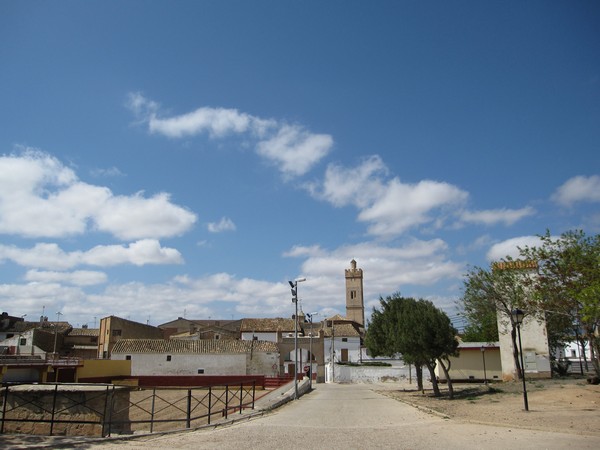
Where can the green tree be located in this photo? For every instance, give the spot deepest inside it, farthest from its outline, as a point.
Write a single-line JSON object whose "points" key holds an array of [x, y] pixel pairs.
{"points": [[568, 284], [418, 330]]}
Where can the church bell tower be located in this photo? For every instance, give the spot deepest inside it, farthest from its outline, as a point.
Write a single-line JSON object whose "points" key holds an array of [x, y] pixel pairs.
{"points": [[355, 305]]}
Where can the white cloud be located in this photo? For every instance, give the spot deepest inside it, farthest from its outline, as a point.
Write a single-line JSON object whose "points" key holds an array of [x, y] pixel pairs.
{"points": [[42, 255], [135, 217], [578, 189], [359, 186], [390, 206], [139, 253], [292, 148], [78, 278], [493, 216], [509, 247], [40, 197], [217, 122], [225, 224], [404, 206], [52, 257], [34, 298], [141, 107]]}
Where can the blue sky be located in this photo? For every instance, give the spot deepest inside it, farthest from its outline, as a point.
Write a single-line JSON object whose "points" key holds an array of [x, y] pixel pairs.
{"points": [[162, 159]]}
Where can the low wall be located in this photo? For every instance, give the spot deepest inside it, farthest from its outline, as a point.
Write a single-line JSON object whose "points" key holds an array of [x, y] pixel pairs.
{"points": [[369, 374], [102, 370], [67, 410]]}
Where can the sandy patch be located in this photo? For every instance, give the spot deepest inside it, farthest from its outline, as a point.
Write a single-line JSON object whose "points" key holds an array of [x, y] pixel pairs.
{"points": [[565, 405]]}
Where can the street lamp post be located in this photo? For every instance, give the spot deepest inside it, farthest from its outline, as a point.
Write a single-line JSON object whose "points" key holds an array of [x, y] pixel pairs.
{"points": [[58, 314], [517, 316], [294, 286], [310, 356]]}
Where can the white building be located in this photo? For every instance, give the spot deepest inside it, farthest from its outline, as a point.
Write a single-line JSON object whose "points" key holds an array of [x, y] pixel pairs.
{"points": [[198, 357], [267, 329]]}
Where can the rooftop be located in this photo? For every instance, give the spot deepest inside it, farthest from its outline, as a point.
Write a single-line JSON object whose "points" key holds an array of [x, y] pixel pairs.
{"points": [[192, 347]]}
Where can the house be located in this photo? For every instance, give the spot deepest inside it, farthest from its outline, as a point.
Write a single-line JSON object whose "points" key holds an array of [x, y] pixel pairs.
{"points": [[33, 338], [36, 355], [113, 329], [477, 361], [201, 329], [342, 340], [9, 325], [269, 329], [82, 343], [198, 357]]}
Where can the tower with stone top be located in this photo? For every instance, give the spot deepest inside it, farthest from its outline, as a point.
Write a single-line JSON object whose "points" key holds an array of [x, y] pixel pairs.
{"points": [[355, 305]]}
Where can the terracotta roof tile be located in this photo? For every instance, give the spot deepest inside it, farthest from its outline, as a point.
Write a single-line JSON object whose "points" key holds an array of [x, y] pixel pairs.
{"points": [[342, 329], [222, 346], [272, 324], [84, 332], [516, 264]]}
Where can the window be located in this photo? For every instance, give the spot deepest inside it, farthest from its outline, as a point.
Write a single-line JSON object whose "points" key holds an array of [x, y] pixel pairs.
{"points": [[128, 357], [23, 341], [116, 332], [344, 339], [200, 371], [168, 357], [217, 337], [352, 294], [94, 339]]}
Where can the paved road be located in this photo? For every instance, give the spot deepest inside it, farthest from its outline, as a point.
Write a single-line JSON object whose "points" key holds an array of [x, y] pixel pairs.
{"points": [[355, 417]]}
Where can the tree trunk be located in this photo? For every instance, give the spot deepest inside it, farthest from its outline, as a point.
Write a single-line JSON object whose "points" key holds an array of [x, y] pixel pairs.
{"points": [[434, 383], [595, 354], [448, 379], [419, 372]]}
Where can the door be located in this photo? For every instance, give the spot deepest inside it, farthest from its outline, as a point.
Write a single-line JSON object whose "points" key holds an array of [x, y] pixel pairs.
{"points": [[344, 355]]}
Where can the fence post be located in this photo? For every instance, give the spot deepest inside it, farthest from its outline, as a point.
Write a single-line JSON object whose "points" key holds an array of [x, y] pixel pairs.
{"points": [[105, 411], [226, 399], [254, 392], [189, 409], [209, 403], [4, 408], [241, 395], [152, 412], [110, 410], [53, 408]]}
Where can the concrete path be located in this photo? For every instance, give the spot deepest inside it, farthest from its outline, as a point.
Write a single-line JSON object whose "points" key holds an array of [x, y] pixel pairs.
{"points": [[355, 417]]}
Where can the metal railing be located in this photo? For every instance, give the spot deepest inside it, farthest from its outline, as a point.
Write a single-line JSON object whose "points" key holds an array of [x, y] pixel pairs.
{"points": [[102, 410], [40, 360]]}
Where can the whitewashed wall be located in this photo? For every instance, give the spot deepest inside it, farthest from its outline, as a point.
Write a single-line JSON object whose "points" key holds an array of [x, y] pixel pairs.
{"points": [[368, 374], [182, 364], [353, 346], [534, 339], [262, 336], [263, 364]]}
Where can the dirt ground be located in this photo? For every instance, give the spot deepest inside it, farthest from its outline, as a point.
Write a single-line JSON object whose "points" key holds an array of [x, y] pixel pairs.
{"points": [[567, 405]]}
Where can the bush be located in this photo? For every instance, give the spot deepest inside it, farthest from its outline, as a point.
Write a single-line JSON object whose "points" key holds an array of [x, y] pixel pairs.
{"points": [[561, 366]]}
